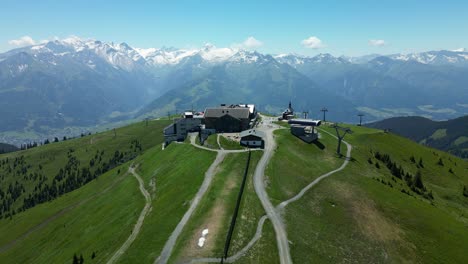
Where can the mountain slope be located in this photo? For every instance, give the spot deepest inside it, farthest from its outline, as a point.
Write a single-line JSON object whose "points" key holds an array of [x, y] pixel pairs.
{"points": [[450, 135], [72, 83], [250, 77]]}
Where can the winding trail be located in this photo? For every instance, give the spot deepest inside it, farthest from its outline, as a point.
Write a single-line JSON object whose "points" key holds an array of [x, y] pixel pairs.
{"points": [[305, 189], [219, 143], [278, 209], [259, 186], [139, 223]]}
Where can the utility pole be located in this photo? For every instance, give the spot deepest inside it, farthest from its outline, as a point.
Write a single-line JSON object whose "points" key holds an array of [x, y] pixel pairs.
{"points": [[324, 110], [346, 130], [360, 118]]}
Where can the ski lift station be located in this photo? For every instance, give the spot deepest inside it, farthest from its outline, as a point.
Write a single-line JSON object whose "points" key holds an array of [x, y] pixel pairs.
{"points": [[305, 129]]}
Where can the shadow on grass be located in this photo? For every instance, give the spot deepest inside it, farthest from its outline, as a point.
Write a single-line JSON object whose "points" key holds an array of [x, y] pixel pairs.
{"points": [[318, 144]]}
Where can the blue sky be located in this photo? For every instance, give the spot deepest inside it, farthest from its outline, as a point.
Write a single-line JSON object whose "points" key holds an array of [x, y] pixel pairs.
{"points": [[344, 27]]}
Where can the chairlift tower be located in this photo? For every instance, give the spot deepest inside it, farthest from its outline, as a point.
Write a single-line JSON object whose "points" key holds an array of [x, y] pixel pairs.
{"points": [[346, 130], [324, 110], [360, 119]]}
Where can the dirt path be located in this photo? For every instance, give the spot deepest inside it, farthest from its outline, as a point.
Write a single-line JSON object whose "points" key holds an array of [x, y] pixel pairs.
{"points": [[139, 223], [259, 185], [219, 143], [279, 208]]}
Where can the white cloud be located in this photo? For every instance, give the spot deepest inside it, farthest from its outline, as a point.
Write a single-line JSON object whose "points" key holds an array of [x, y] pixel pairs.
{"points": [[249, 43], [312, 43], [377, 42], [23, 41], [252, 43]]}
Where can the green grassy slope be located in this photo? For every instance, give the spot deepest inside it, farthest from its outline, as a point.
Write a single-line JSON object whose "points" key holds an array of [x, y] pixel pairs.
{"points": [[216, 209], [95, 218], [211, 142], [43, 173], [177, 173], [98, 217], [361, 214], [229, 144], [296, 163]]}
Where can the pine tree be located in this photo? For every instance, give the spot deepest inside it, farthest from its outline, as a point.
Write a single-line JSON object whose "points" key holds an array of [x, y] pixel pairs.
{"points": [[421, 163], [75, 259], [418, 180], [440, 162]]}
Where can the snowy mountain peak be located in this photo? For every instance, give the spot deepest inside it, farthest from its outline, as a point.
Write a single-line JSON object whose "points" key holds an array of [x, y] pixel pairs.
{"points": [[442, 57]]}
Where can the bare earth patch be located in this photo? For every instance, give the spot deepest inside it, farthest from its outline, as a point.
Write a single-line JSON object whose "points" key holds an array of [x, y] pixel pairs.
{"points": [[373, 224]]}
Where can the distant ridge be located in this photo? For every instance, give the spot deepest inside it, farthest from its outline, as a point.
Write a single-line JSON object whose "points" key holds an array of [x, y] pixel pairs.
{"points": [[450, 135], [6, 148]]}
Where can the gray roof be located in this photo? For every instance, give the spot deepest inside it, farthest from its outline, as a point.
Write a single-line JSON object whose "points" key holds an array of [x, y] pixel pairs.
{"points": [[237, 112], [252, 132]]}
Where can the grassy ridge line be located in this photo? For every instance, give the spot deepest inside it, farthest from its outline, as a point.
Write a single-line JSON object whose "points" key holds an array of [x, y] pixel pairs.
{"points": [[53, 157]]}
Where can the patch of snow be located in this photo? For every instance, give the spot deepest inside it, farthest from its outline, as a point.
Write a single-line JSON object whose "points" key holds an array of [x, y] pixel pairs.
{"points": [[22, 67], [146, 52], [211, 53], [38, 47], [62, 53], [450, 59], [201, 241]]}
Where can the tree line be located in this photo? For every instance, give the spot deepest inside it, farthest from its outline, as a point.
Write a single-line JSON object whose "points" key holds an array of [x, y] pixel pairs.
{"points": [[414, 182], [69, 177]]}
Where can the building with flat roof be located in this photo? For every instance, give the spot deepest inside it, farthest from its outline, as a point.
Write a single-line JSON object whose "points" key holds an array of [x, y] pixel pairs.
{"points": [[180, 127]]}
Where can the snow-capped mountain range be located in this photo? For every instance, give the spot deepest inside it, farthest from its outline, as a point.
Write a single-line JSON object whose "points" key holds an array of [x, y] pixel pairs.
{"points": [[83, 82], [126, 57]]}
